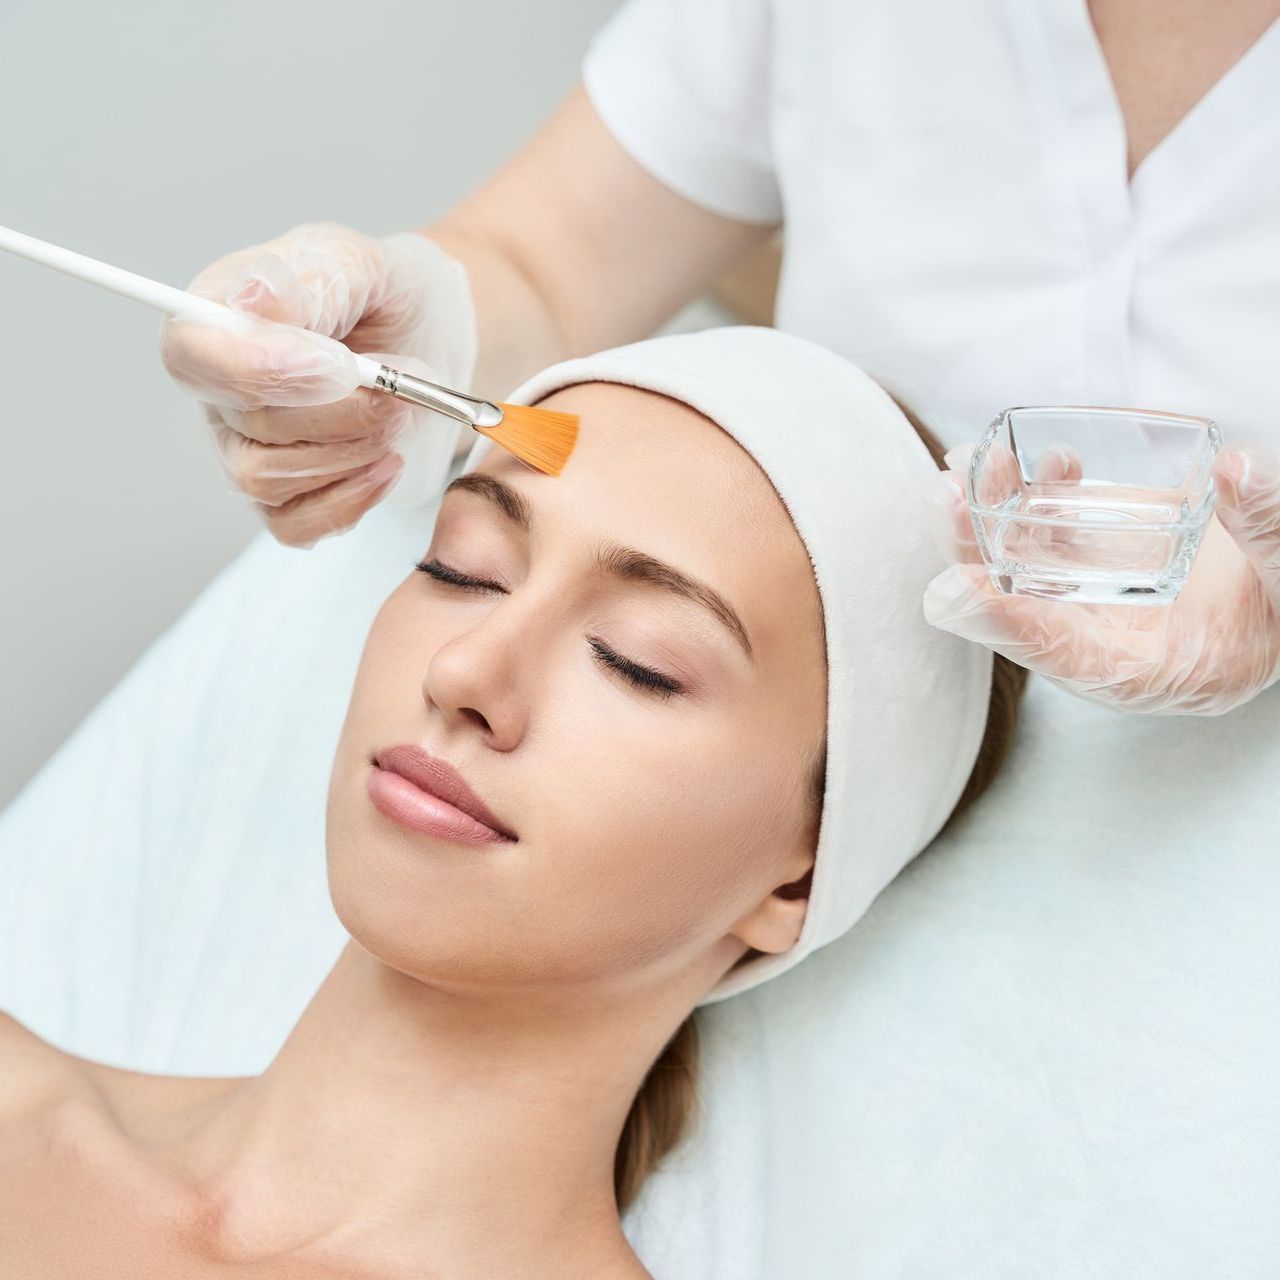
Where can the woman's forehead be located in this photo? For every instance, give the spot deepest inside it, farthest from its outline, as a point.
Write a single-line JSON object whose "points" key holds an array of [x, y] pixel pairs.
{"points": [[650, 472], [607, 408], [642, 454]]}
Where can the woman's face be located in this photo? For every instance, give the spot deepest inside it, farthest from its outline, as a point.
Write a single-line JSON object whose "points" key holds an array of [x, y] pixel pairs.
{"points": [[652, 821]]}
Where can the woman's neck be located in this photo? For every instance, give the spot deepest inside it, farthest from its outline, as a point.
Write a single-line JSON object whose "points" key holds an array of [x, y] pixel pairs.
{"points": [[413, 1128]]}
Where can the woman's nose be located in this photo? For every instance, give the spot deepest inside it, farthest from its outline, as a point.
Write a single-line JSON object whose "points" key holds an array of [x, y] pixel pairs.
{"points": [[481, 673]]}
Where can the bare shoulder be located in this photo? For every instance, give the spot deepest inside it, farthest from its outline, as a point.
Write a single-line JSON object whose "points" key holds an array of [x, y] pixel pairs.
{"points": [[35, 1074], [32, 1071], [88, 1201]]}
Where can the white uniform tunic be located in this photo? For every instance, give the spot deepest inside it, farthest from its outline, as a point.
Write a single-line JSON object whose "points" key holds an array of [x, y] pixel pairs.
{"points": [[958, 219]]}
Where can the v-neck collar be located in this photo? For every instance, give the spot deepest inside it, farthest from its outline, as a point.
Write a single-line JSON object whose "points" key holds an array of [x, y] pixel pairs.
{"points": [[1105, 217], [1229, 118]]}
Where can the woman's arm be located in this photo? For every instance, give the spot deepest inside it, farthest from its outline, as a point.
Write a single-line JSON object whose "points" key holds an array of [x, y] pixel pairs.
{"points": [[572, 246]]}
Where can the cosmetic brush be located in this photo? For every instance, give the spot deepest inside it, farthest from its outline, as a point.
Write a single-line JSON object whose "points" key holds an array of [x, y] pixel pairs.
{"points": [[542, 438]]}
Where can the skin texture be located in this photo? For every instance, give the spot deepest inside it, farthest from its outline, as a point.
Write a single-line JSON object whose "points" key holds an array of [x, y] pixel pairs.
{"points": [[1165, 55], [449, 1104], [448, 1148]]}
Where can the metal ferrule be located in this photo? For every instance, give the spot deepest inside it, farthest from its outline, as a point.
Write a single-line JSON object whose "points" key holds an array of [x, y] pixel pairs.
{"points": [[469, 409]]}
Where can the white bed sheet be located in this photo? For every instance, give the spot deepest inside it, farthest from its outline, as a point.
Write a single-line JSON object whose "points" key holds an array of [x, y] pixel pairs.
{"points": [[1050, 1050]]}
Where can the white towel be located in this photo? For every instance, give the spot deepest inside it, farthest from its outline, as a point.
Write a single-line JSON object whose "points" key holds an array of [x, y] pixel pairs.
{"points": [[906, 703], [1047, 1051]]}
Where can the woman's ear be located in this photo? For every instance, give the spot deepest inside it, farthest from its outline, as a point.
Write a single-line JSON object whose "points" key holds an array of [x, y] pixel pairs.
{"points": [[774, 924]]}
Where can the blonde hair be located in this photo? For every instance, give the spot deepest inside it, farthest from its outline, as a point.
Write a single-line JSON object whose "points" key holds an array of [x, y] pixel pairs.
{"points": [[665, 1107]]}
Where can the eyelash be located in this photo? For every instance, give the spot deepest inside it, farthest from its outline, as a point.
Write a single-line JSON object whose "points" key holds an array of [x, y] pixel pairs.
{"points": [[644, 678]]}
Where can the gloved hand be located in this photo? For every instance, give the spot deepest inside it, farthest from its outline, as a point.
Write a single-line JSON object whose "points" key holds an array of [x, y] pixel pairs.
{"points": [[1213, 648], [294, 430]]}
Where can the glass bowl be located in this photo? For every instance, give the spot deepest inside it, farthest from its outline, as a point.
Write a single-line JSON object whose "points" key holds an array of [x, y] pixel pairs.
{"points": [[1092, 504]]}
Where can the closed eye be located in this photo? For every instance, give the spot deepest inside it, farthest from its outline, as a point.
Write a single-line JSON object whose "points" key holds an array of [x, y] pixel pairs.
{"points": [[442, 573], [642, 677]]}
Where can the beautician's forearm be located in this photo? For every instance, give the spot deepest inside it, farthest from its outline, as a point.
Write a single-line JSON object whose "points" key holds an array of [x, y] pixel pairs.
{"points": [[572, 246], [518, 332]]}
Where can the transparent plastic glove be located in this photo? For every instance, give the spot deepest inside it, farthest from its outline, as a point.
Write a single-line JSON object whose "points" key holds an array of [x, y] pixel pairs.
{"points": [[1213, 648], [294, 430]]}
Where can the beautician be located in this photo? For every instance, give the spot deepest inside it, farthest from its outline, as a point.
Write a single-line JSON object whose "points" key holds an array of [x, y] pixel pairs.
{"points": [[986, 204]]}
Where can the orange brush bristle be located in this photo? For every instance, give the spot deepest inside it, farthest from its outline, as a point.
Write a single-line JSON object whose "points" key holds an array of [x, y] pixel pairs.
{"points": [[540, 437]]}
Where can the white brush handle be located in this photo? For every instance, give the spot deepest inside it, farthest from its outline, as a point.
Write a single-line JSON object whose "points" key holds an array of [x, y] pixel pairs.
{"points": [[426, 449], [163, 297]]}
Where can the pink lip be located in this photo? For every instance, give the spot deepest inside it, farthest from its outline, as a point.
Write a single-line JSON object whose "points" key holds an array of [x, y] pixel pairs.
{"points": [[422, 791]]}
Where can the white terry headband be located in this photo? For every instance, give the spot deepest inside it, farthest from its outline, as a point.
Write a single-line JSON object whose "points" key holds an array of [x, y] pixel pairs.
{"points": [[906, 703]]}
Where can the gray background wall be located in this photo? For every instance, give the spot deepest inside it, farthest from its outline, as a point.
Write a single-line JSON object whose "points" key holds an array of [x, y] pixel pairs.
{"points": [[160, 136]]}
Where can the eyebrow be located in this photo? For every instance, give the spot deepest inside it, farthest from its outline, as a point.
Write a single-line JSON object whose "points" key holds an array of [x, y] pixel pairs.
{"points": [[625, 563]]}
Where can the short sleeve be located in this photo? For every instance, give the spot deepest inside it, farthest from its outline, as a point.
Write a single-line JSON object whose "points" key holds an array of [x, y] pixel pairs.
{"points": [[684, 86]]}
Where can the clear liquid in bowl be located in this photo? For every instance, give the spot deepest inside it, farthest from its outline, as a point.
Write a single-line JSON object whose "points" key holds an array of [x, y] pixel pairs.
{"points": [[1092, 543]]}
